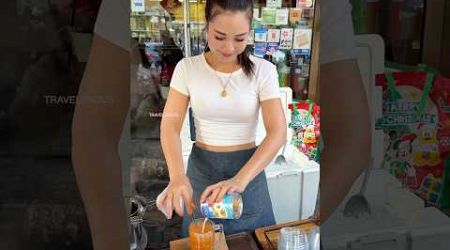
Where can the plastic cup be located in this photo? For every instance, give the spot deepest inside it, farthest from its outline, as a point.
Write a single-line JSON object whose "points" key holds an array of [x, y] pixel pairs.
{"points": [[313, 236], [292, 238]]}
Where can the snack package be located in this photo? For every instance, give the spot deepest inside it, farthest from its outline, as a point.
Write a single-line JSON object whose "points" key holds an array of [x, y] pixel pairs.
{"points": [[306, 127], [416, 124]]}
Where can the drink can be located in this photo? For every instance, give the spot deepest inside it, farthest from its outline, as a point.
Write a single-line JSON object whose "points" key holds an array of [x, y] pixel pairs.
{"points": [[230, 207]]}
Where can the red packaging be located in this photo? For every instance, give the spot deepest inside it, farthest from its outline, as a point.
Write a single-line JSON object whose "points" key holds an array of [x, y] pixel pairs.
{"points": [[306, 126], [416, 119]]}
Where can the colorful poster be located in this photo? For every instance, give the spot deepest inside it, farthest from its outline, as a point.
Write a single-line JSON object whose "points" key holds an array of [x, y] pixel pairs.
{"points": [[274, 3], [282, 16], [286, 36], [273, 36], [268, 16], [302, 38], [295, 15], [260, 35]]}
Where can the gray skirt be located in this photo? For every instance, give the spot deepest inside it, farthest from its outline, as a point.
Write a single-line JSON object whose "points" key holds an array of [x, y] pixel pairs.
{"points": [[207, 168]]}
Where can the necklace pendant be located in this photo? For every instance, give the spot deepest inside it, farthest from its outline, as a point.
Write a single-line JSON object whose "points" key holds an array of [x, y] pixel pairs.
{"points": [[223, 93]]}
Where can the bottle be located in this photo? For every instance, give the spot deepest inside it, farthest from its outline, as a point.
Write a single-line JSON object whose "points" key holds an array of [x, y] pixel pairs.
{"points": [[283, 75], [295, 82], [230, 207]]}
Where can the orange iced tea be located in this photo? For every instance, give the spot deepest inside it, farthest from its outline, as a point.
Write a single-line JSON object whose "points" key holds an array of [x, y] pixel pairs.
{"points": [[201, 234]]}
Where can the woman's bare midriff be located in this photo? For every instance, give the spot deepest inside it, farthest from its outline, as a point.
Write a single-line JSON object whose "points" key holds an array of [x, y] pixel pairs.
{"points": [[225, 148]]}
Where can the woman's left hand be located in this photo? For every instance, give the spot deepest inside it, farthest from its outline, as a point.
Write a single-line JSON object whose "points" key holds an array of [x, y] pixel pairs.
{"points": [[215, 193]]}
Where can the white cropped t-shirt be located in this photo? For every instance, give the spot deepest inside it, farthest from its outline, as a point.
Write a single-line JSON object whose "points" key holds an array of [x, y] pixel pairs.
{"points": [[230, 120]]}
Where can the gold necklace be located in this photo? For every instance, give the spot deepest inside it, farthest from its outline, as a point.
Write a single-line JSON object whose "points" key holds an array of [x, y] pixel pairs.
{"points": [[223, 93]]}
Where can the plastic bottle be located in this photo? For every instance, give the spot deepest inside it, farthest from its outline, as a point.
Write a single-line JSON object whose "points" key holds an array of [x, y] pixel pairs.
{"points": [[283, 75]]}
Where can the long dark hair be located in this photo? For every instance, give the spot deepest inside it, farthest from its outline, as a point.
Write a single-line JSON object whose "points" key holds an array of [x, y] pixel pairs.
{"points": [[215, 7]]}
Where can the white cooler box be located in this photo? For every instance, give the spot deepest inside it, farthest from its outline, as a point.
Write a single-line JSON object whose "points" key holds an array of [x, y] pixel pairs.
{"points": [[293, 188]]}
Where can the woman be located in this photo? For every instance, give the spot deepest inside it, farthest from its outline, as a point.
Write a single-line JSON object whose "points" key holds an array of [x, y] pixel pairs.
{"points": [[225, 88]]}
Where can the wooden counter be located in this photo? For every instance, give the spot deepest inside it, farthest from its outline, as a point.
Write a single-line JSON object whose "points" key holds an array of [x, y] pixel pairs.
{"points": [[239, 241], [267, 237]]}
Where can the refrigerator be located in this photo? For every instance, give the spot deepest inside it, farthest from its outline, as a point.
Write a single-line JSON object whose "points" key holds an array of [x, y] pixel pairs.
{"points": [[281, 32]]}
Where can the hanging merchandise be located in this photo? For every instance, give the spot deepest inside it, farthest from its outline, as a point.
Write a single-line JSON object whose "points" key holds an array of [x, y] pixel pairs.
{"points": [[274, 3], [305, 3], [416, 122], [302, 39], [260, 49], [295, 15], [286, 38], [261, 35], [282, 16], [273, 36], [306, 127], [260, 42], [268, 16]]}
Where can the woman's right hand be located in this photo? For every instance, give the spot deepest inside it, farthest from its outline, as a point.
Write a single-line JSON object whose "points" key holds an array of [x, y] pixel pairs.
{"points": [[179, 190]]}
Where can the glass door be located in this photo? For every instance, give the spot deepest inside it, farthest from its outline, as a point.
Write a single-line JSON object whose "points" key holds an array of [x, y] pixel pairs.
{"points": [[158, 29], [196, 24], [281, 33]]}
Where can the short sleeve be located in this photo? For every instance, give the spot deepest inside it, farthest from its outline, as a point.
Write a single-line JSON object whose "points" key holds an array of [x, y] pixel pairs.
{"points": [[178, 81], [337, 38], [113, 22], [268, 85]]}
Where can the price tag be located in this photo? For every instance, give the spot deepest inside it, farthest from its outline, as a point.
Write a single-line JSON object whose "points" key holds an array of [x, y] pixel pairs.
{"points": [[138, 6]]}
